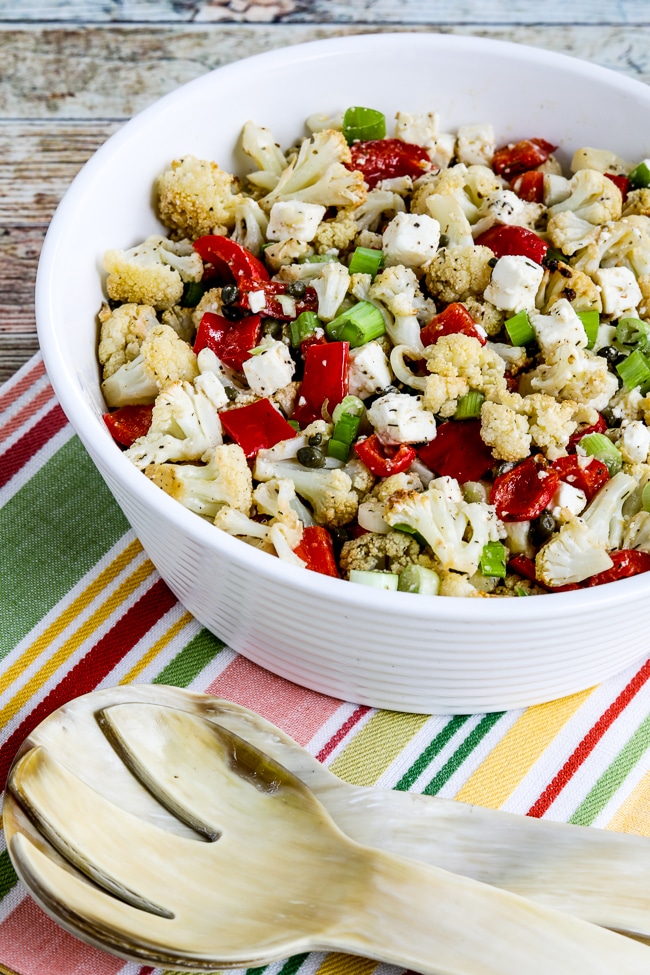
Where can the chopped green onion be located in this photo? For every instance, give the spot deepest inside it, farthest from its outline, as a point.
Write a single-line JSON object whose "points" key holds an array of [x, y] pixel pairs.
{"points": [[363, 124], [590, 322], [632, 331], [377, 580], [552, 254], [640, 175], [338, 449], [193, 291], [520, 591], [319, 259], [366, 260], [347, 417], [417, 578], [346, 428], [645, 497], [519, 329], [360, 324], [305, 324], [294, 424], [349, 404], [493, 560], [634, 370], [410, 531], [601, 447], [469, 405]]}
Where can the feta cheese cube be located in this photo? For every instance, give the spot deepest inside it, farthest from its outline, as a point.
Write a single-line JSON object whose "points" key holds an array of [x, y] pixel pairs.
{"points": [[567, 502], [560, 327], [401, 418], [369, 370], [514, 284], [421, 128], [556, 189], [634, 441], [475, 144], [256, 301], [448, 486], [619, 290], [294, 219], [270, 370], [411, 239]]}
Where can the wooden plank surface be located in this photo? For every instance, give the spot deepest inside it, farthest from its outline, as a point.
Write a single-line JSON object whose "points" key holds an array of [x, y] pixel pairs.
{"points": [[66, 86]]}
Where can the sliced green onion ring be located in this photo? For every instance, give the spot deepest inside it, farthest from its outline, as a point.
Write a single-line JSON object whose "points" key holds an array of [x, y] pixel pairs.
{"points": [[374, 579], [360, 324], [363, 124], [417, 578], [601, 447], [519, 329], [493, 560], [633, 331], [590, 322], [639, 177], [469, 405], [634, 370], [366, 260]]}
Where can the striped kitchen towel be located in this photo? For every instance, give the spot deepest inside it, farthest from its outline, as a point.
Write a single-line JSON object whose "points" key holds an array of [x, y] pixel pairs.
{"points": [[82, 607]]}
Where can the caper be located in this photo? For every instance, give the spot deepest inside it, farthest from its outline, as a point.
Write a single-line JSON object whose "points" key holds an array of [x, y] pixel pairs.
{"points": [[296, 289], [315, 440], [272, 327], [229, 293], [544, 526], [232, 313], [609, 352], [311, 457], [230, 392], [444, 240], [493, 262], [610, 418]]}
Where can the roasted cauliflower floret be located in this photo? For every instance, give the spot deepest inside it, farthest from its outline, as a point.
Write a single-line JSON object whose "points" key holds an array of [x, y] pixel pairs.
{"points": [[197, 197], [571, 555], [505, 431], [592, 197], [391, 552], [224, 480], [122, 333], [575, 286], [397, 288], [569, 232], [457, 273], [458, 363], [152, 273], [637, 202], [574, 374], [164, 359], [319, 174], [329, 490]]}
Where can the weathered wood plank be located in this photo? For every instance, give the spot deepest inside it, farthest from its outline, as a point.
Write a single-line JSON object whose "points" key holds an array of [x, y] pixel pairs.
{"points": [[112, 72], [15, 350], [331, 11]]}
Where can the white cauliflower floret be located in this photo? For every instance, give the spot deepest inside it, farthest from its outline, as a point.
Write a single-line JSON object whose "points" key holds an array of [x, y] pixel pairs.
{"points": [[331, 285], [224, 480], [279, 256], [181, 320], [294, 219], [152, 273], [250, 225], [475, 144], [621, 243], [569, 232], [401, 418], [514, 283], [369, 370], [349, 222], [444, 525], [270, 369], [619, 289], [505, 207], [197, 197], [571, 555], [560, 327], [602, 160], [277, 498], [164, 359], [411, 239], [637, 202], [458, 363], [469, 185], [505, 431], [274, 537], [421, 129], [328, 490], [122, 333], [185, 423], [455, 273], [573, 374], [637, 532], [258, 143], [397, 287], [575, 286], [513, 424], [318, 174], [455, 228], [556, 188], [593, 197], [604, 515]]}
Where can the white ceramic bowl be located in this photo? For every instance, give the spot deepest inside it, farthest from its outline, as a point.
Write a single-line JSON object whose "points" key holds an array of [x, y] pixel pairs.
{"points": [[387, 649]]}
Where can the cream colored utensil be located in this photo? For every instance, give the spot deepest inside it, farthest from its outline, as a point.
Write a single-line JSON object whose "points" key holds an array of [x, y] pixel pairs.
{"points": [[275, 877], [598, 875]]}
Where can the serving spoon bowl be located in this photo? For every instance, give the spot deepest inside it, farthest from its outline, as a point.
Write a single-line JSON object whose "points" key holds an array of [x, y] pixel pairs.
{"points": [[264, 871]]}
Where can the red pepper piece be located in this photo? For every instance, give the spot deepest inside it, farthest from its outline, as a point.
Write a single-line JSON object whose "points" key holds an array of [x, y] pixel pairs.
{"points": [[324, 382], [530, 186], [513, 240], [627, 562], [256, 426], [128, 423], [383, 460], [525, 567], [599, 427], [387, 158], [227, 261], [273, 308], [622, 182], [589, 479], [522, 493], [518, 157], [230, 341], [317, 550], [454, 319], [458, 451]]}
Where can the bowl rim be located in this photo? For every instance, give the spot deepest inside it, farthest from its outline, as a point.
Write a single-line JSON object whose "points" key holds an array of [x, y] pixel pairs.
{"points": [[88, 426]]}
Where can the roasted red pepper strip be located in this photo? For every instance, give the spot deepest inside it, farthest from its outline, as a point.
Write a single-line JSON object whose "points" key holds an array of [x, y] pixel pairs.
{"points": [[599, 427], [518, 157], [273, 308], [324, 382], [514, 240], [627, 562], [256, 426], [522, 493], [128, 423], [530, 186], [317, 550], [622, 182], [387, 158], [525, 567], [453, 320], [589, 479], [230, 341], [384, 460], [458, 451], [227, 261]]}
